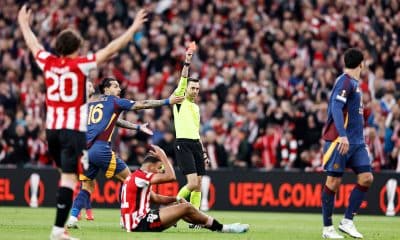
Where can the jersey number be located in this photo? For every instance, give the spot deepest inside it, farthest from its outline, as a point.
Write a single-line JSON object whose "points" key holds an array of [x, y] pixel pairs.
{"points": [[56, 91], [95, 113], [124, 203]]}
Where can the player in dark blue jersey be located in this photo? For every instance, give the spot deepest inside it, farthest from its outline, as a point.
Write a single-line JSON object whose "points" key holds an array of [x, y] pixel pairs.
{"points": [[104, 111], [345, 146]]}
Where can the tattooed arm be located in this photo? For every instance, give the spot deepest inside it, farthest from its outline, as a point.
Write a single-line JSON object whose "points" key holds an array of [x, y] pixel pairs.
{"points": [[145, 104], [128, 125]]}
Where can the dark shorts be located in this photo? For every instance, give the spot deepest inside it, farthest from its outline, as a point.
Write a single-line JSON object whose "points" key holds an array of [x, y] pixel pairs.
{"points": [[66, 147], [151, 223], [357, 158], [101, 157], [189, 156]]}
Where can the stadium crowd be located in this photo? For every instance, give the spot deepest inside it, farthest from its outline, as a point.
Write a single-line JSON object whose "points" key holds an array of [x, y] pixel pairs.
{"points": [[265, 67]]}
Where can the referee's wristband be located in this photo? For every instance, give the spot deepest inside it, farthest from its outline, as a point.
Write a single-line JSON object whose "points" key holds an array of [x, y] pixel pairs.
{"points": [[166, 101], [138, 128]]}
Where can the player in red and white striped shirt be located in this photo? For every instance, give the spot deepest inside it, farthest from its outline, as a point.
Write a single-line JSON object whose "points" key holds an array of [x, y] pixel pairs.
{"points": [[65, 78], [136, 196]]}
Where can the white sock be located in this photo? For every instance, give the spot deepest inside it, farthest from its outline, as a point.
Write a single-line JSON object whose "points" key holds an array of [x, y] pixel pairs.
{"points": [[57, 230], [225, 227], [72, 218]]}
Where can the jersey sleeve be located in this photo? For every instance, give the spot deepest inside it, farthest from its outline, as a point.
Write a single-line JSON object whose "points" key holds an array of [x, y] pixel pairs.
{"points": [[42, 58], [339, 95], [343, 89], [87, 63], [180, 90], [143, 179], [124, 104]]}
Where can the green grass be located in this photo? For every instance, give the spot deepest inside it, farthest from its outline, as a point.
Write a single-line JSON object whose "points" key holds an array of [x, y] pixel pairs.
{"points": [[27, 223]]}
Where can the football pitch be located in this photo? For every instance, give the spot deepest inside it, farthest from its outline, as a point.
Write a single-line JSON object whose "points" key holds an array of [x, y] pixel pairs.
{"points": [[28, 223]]}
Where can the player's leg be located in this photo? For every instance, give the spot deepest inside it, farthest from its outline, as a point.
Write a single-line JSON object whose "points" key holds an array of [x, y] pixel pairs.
{"points": [[122, 170], [81, 201], [88, 203], [360, 163], [72, 146], [172, 214], [186, 162], [195, 196], [84, 195], [334, 164]]}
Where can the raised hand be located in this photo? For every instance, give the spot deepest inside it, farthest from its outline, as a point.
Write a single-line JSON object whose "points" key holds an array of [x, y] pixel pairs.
{"points": [[24, 15], [189, 52], [140, 18], [158, 152]]}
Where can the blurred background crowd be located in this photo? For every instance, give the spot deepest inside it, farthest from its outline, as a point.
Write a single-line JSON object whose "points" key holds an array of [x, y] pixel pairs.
{"points": [[266, 69]]}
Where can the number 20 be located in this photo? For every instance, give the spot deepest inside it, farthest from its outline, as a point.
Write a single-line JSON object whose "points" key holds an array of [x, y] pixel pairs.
{"points": [[56, 91]]}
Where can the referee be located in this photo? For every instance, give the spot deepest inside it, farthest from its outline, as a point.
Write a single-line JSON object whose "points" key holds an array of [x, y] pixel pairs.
{"points": [[189, 151]]}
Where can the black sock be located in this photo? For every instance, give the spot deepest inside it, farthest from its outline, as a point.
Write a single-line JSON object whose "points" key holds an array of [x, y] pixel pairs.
{"points": [[216, 226], [64, 203]]}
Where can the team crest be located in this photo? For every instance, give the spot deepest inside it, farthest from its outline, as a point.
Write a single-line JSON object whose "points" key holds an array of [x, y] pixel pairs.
{"points": [[336, 166]]}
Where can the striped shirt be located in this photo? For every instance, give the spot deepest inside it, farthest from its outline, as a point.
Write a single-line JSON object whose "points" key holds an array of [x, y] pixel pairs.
{"points": [[65, 80], [135, 198]]}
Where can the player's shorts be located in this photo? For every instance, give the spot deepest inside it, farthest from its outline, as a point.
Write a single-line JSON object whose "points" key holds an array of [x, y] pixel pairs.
{"points": [[151, 223], [66, 147], [357, 158], [189, 156], [101, 157]]}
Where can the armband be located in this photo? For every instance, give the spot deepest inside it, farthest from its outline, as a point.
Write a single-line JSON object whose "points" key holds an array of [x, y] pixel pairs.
{"points": [[186, 64], [166, 101]]}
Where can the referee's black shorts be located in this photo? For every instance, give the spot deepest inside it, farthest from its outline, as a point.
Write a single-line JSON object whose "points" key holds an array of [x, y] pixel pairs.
{"points": [[189, 155]]}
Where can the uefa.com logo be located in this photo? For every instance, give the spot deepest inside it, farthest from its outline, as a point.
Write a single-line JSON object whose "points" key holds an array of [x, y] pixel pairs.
{"points": [[34, 191], [391, 191], [389, 194]]}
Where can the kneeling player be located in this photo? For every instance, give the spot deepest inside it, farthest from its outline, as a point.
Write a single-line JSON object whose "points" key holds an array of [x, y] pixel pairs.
{"points": [[136, 196]]}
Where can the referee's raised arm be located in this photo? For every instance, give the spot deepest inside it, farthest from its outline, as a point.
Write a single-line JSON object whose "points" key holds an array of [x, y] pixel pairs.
{"points": [[180, 90]]}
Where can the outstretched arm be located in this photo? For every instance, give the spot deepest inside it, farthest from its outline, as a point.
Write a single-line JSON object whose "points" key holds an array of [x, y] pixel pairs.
{"points": [[145, 104], [128, 125], [29, 37], [120, 42], [180, 90]]}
